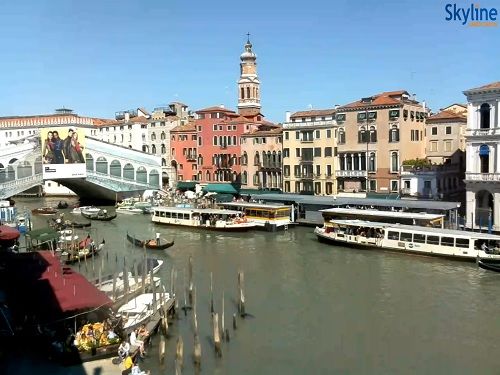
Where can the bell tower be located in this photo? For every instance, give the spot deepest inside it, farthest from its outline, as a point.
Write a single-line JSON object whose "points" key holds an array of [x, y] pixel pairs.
{"points": [[249, 84]]}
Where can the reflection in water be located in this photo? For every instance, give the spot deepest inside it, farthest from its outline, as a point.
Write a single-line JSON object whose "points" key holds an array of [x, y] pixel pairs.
{"points": [[319, 308]]}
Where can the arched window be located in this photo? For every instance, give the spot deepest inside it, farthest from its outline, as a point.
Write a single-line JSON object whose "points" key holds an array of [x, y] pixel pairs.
{"points": [[200, 160], [394, 161], [153, 136], [341, 139], [373, 134], [394, 134], [256, 179], [208, 176], [242, 94], [234, 159], [162, 136], [153, 149], [163, 149], [244, 178], [248, 92], [484, 158], [256, 159], [279, 158], [163, 162], [244, 158], [484, 111]]}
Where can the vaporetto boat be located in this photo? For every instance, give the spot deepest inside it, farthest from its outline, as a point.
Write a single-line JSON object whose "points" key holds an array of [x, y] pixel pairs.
{"points": [[410, 239], [203, 218], [270, 217]]}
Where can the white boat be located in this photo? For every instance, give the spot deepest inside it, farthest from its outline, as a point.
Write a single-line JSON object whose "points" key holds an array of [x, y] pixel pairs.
{"points": [[107, 286], [140, 309], [270, 217], [203, 218], [129, 210], [85, 209], [410, 239]]}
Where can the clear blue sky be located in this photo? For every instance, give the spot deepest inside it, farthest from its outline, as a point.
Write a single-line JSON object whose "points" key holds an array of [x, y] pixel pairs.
{"points": [[99, 56]]}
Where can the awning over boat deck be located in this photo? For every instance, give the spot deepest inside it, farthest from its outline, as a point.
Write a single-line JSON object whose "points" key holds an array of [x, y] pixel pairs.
{"points": [[220, 188], [186, 185], [43, 234]]}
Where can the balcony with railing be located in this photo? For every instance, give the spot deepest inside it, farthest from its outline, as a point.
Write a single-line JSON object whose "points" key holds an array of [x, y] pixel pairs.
{"points": [[482, 132], [190, 157], [306, 160], [486, 177], [351, 173]]}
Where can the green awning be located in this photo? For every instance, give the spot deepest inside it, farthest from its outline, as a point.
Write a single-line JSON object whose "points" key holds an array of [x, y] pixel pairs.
{"points": [[186, 185], [42, 235], [221, 198], [220, 188]]}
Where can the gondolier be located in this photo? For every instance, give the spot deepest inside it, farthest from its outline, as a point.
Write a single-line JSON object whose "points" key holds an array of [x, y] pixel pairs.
{"points": [[157, 239]]}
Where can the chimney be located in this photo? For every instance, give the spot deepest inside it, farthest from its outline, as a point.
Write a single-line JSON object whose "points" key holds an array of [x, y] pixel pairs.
{"points": [[127, 116], [222, 106], [287, 116], [336, 106], [423, 106]]}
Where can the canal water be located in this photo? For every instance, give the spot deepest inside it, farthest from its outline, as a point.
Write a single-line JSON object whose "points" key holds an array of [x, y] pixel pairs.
{"points": [[317, 308]]}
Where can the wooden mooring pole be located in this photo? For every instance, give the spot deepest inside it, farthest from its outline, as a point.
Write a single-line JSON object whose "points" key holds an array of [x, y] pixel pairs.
{"points": [[241, 301], [217, 340]]}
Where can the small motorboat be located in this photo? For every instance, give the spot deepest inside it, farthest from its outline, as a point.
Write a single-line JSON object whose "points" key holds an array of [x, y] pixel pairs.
{"points": [[489, 264], [86, 209], [44, 211], [129, 210], [149, 244], [140, 309]]}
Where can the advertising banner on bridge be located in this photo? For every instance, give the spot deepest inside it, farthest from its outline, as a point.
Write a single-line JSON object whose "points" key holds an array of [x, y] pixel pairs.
{"points": [[63, 153]]}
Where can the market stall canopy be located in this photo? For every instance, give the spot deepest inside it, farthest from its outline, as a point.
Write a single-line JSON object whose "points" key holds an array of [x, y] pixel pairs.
{"points": [[186, 185]]}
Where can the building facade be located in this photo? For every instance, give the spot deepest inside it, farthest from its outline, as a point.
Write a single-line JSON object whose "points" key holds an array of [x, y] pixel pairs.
{"points": [[310, 152], [261, 158], [183, 152], [482, 176], [375, 135]]}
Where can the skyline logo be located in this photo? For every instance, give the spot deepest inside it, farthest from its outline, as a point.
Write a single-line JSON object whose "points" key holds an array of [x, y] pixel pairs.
{"points": [[473, 16]]}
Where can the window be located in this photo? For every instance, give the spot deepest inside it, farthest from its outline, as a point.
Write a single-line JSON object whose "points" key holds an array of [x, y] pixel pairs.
{"points": [[328, 133], [286, 153], [297, 135], [286, 136], [329, 188], [341, 139], [394, 162], [484, 158], [433, 146], [361, 116], [434, 130], [372, 116], [328, 151], [407, 237], [433, 240], [393, 114], [447, 146], [394, 134], [484, 111], [317, 152], [419, 238], [373, 185], [297, 152], [340, 117], [447, 241], [462, 242], [328, 170], [393, 235], [318, 170], [448, 130], [215, 128], [318, 133], [394, 185], [286, 170]]}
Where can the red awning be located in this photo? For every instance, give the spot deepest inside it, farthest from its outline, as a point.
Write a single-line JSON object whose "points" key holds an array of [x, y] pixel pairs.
{"points": [[71, 291], [8, 233]]}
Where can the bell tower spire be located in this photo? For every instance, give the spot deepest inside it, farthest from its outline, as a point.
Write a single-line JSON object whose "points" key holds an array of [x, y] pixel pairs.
{"points": [[249, 84]]}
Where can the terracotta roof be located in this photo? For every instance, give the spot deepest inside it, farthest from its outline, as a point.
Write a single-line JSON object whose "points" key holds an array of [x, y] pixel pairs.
{"points": [[313, 113], [387, 98], [185, 128], [447, 116], [214, 109], [101, 121], [489, 86], [259, 133]]}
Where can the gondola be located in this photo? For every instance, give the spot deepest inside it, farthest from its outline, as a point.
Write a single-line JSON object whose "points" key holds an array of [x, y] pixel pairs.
{"points": [[44, 211], [99, 216], [149, 244], [83, 254], [490, 265]]}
